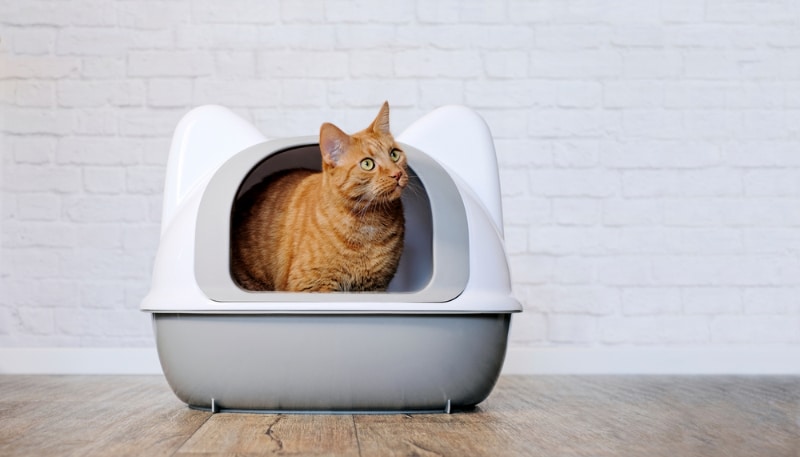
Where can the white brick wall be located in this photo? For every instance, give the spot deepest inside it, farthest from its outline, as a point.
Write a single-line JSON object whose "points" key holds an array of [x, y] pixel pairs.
{"points": [[649, 150]]}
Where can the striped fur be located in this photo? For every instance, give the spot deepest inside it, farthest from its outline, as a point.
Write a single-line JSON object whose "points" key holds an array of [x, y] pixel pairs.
{"points": [[337, 230]]}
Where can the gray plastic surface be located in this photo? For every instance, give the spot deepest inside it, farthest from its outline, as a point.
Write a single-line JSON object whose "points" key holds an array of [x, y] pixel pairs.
{"points": [[332, 363], [434, 266]]}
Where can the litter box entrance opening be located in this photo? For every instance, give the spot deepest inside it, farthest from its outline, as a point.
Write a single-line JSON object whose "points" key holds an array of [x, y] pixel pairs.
{"points": [[416, 262], [434, 266]]}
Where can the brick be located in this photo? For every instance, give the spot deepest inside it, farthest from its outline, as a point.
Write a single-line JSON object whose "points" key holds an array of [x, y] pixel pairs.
{"points": [[31, 67], [98, 151], [651, 301], [574, 329], [151, 15], [105, 67], [236, 93], [773, 182], [583, 123], [666, 153], [654, 329], [100, 235], [288, 64], [594, 64], [689, 183], [144, 180], [646, 64], [371, 93], [577, 211], [717, 240], [38, 235], [141, 238], [682, 11], [511, 124], [102, 295], [105, 209], [30, 263], [574, 183], [235, 64], [92, 42], [34, 93], [435, 63], [220, 36], [311, 11], [718, 270], [347, 11], [736, 212], [169, 63], [633, 94], [36, 178], [169, 93], [36, 321], [772, 240], [531, 269], [104, 180], [638, 37], [696, 94], [572, 37], [528, 327], [771, 300], [754, 153], [620, 270], [37, 121], [506, 64], [72, 93], [652, 124], [100, 122], [702, 64], [524, 153], [369, 36], [33, 149], [565, 240], [588, 300], [436, 93], [575, 269], [371, 64], [712, 300], [34, 42], [236, 11], [576, 153], [525, 11], [632, 212], [579, 94], [507, 94], [38, 207], [764, 329], [150, 123]]}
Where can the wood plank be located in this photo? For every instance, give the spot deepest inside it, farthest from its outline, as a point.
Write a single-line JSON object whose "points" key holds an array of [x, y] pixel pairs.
{"points": [[229, 434], [542, 415], [92, 416]]}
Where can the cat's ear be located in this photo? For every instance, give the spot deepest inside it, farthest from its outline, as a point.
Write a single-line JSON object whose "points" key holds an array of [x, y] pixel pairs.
{"points": [[333, 143], [381, 122]]}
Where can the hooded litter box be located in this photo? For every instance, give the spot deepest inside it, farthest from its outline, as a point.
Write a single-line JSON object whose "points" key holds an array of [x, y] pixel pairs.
{"points": [[435, 339]]}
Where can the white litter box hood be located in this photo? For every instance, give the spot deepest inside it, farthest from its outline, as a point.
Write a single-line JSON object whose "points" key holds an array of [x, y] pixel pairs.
{"points": [[453, 262]]}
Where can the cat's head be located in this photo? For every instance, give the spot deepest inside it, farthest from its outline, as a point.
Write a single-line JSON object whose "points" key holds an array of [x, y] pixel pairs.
{"points": [[367, 167]]}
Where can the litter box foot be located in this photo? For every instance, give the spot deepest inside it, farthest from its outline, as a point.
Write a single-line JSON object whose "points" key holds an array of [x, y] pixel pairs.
{"points": [[214, 406], [447, 407]]}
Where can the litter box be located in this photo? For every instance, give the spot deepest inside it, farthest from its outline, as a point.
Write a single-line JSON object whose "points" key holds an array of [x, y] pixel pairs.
{"points": [[435, 340]]}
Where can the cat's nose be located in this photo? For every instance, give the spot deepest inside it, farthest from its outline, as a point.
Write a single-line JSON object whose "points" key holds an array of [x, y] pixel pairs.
{"points": [[397, 175]]}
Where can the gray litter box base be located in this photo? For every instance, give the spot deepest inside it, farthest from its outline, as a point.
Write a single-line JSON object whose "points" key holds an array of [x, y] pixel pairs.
{"points": [[333, 363]]}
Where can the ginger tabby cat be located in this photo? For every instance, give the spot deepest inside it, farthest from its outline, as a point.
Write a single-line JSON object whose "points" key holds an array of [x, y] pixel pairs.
{"points": [[340, 229]]}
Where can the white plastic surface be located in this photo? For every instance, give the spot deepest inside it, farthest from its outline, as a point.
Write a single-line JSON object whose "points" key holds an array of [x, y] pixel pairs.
{"points": [[204, 139], [458, 138], [209, 136]]}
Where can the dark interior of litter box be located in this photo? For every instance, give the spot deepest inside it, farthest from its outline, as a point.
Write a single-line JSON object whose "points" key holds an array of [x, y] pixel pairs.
{"points": [[416, 264]]}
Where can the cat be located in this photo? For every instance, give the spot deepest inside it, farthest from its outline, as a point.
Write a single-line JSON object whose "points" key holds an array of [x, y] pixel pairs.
{"points": [[338, 230]]}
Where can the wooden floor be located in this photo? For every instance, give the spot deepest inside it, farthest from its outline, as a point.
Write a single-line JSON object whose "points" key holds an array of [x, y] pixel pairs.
{"points": [[537, 416]]}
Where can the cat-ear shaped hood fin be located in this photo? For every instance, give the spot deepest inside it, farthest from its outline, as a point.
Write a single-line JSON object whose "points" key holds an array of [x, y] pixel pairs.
{"points": [[381, 122], [333, 143]]}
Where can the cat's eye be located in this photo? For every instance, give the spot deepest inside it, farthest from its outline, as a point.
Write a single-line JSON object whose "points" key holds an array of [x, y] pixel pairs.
{"points": [[394, 154], [367, 164]]}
